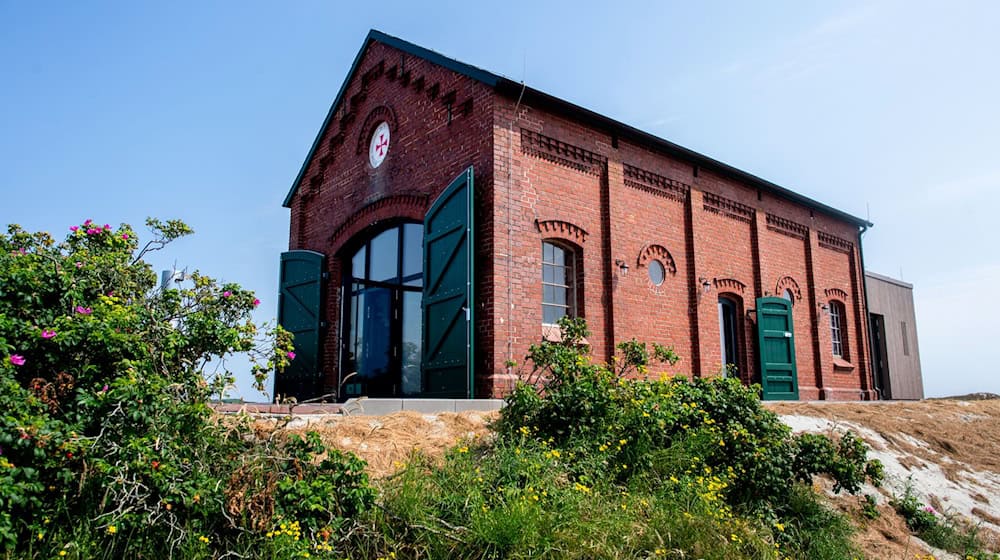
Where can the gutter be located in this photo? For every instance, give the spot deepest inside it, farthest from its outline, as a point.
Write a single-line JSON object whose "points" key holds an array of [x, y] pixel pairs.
{"points": [[876, 381]]}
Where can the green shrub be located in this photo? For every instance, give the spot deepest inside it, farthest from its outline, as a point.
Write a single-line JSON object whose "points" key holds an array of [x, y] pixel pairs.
{"points": [[811, 530], [519, 497], [619, 422], [109, 446], [938, 529]]}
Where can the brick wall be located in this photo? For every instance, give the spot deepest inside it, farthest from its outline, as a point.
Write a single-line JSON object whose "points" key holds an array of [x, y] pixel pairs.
{"points": [[440, 124], [636, 204], [542, 175]]}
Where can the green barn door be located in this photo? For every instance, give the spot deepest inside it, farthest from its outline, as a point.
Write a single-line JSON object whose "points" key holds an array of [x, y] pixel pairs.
{"points": [[300, 305], [776, 349], [447, 300]]}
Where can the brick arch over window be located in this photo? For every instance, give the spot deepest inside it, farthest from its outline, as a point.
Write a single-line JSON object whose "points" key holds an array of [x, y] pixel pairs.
{"points": [[788, 283], [560, 229], [377, 115], [836, 293], [730, 285], [658, 252], [404, 207]]}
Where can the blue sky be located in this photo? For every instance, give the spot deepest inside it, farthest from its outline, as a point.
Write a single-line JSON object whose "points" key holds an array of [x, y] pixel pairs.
{"points": [[204, 111]]}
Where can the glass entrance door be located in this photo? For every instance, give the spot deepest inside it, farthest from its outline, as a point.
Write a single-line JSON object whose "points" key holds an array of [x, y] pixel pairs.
{"points": [[381, 328]]}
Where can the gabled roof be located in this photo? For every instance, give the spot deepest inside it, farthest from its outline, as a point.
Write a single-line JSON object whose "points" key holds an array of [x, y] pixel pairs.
{"points": [[509, 87]]}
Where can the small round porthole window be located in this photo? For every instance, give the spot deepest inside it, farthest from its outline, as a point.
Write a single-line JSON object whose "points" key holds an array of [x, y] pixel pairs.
{"points": [[379, 146], [656, 272]]}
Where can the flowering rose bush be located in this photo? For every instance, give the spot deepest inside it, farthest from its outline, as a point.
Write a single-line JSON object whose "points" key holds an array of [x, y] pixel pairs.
{"points": [[105, 381]]}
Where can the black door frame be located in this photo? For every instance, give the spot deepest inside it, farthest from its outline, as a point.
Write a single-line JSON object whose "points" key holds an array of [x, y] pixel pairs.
{"points": [[396, 317]]}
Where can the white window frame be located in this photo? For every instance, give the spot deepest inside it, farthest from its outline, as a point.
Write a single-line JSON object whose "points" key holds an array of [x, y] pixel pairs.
{"points": [[569, 287]]}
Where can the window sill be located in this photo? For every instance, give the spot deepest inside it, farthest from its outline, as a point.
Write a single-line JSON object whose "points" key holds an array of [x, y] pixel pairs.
{"points": [[840, 364]]}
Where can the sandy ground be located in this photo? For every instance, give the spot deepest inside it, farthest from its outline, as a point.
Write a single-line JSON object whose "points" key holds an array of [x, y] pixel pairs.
{"points": [[947, 451]]}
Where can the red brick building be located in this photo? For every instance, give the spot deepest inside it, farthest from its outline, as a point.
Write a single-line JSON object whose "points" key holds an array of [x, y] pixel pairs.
{"points": [[397, 285]]}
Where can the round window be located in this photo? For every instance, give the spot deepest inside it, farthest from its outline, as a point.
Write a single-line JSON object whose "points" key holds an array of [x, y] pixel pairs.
{"points": [[656, 272], [379, 146]]}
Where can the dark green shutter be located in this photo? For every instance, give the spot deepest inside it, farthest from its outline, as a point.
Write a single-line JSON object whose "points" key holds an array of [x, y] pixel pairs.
{"points": [[776, 349], [300, 311], [447, 299]]}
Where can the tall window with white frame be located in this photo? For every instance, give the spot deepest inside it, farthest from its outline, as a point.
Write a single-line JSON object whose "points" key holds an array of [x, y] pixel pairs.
{"points": [[558, 282], [837, 334]]}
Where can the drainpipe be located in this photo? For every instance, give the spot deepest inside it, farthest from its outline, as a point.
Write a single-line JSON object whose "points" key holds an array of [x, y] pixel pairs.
{"points": [[876, 381]]}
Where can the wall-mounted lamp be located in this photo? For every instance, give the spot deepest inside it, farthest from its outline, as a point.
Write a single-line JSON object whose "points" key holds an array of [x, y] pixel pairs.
{"points": [[706, 286], [824, 308], [622, 267]]}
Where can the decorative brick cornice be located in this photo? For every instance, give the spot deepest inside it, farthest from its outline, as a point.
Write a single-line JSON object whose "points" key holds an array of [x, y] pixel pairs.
{"points": [[565, 230], [788, 283], [835, 243], [729, 284], [656, 184], [835, 293], [728, 208], [550, 149], [660, 253], [375, 116], [787, 227]]}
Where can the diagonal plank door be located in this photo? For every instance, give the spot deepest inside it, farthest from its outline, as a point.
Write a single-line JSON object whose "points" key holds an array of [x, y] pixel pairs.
{"points": [[447, 298]]}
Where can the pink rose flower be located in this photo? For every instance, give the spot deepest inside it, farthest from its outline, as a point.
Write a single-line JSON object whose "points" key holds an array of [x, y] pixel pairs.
{"points": [[79, 264], [291, 355], [88, 222], [17, 359], [74, 228], [125, 236], [84, 310], [107, 227], [46, 334], [256, 302], [227, 293]]}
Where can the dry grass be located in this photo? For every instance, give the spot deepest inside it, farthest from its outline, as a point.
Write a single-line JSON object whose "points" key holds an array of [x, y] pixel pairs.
{"points": [[386, 442], [964, 431]]}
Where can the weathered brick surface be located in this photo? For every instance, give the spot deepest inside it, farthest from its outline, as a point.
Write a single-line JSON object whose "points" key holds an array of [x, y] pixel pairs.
{"points": [[542, 175], [342, 199]]}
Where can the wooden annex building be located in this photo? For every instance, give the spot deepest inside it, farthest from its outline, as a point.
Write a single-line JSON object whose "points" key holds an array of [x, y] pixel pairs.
{"points": [[446, 217]]}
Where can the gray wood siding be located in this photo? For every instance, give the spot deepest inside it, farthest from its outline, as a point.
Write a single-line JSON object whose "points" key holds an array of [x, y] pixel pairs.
{"points": [[893, 300]]}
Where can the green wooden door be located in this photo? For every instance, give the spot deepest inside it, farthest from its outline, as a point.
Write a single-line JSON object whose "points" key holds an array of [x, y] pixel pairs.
{"points": [[776, 349], [300, 311], [447, 299]]}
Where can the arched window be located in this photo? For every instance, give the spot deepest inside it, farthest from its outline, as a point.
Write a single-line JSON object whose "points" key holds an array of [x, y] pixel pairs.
{"points": [[559, 282], [382, 317], [838, 329], [787, 294], [729, 334]]}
